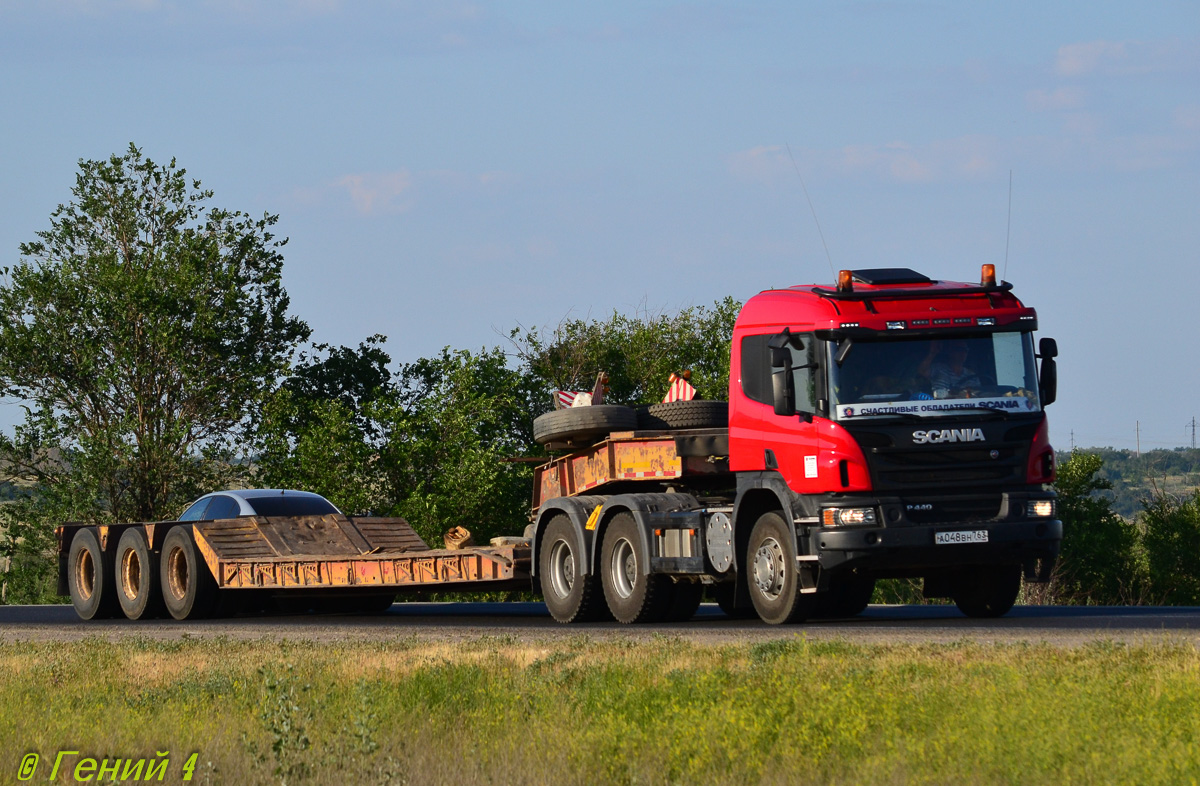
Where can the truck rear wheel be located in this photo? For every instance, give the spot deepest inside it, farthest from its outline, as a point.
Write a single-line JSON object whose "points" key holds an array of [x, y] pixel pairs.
{"points": [[988, 592], [724, 593], [773, 574], [188, 589], [570, 595], [90, 577], [632, 594], [685, 599], [138, 589]]}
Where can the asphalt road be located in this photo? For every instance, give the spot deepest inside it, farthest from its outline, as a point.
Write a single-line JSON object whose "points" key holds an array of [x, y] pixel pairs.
{"points": [[1057, 625]]}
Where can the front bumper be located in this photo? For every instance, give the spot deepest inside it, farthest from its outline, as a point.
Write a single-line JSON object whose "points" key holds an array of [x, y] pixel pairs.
{"points": [[907, 549]]}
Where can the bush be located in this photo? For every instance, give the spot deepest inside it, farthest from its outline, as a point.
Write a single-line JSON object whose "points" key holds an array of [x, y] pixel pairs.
{"points": [[1099, 562], [1172, 542]]}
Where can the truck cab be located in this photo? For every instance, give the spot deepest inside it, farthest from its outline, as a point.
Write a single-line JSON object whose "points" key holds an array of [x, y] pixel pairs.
{"points": [[899, 423]]}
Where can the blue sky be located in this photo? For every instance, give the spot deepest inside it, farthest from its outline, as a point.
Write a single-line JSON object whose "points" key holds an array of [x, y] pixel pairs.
{"points": [[447, 171]]}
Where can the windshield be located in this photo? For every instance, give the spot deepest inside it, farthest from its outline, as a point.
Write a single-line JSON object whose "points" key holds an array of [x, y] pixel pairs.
{"points": [[283, 505], [927, 377]]}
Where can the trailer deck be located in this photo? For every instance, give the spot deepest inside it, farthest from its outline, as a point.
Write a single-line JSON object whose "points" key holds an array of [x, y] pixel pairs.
{"points": [[633, 455], [337, 551]]}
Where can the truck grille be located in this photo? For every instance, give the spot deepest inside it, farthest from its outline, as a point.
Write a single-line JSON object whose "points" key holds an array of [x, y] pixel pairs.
{"points": [[953, 509], [898, 465]]}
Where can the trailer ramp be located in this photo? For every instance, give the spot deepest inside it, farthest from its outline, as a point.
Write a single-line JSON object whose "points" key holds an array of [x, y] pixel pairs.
{"points": [[316, 552]]}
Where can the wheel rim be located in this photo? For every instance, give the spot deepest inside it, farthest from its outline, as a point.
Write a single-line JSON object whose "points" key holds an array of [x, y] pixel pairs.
{"points": [[131, 574], [177, 573], [562, 569], [85, 575], [622, 568], [769, 569]]}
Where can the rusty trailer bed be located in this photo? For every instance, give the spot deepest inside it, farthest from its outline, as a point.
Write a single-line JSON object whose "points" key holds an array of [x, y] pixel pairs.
{"points": [[633, 455]]}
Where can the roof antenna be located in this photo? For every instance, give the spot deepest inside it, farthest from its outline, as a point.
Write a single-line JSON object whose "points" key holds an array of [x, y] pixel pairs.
{"points": [[1008, 230], [811, 208]]}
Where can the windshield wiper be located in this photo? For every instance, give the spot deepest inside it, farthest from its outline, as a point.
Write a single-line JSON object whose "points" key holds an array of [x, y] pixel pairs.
{"points": [[997, 414], [877, 415]]}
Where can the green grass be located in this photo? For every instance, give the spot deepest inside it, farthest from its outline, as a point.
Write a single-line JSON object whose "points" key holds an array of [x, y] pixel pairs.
{"points": [[586, 711]]}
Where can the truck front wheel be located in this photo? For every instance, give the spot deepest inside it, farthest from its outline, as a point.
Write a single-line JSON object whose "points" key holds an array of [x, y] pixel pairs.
{"points": [[849, 597], [188, 589], [988, 592], [138, 589], [93, 592], [773, 574], [570, 595]]}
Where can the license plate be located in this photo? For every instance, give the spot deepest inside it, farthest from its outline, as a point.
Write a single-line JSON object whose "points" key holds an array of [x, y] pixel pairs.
{"points": [[961, 536]]}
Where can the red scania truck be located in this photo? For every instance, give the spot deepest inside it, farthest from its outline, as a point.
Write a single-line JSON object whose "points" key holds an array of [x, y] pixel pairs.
{"points": [[889, 426]]}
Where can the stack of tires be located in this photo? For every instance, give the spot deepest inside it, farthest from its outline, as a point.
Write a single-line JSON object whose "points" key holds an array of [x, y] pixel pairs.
{"points": [[580, 426]]}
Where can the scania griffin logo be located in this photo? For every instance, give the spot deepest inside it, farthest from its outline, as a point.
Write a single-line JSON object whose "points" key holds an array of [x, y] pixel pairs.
{"points": [[934, 436]]}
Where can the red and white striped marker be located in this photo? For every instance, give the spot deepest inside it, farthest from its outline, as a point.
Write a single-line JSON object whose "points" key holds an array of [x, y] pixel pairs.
{"points": [[681, 390]]}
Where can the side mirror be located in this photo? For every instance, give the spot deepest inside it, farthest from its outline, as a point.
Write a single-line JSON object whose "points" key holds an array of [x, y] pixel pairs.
{"points": [[1048, 351], [1049, 380], [783, 390]]}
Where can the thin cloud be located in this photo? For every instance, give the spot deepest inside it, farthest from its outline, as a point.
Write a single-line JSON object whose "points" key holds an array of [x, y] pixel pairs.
{"points": [[1125, 58], [762, 164], [1054, 100], [379, 192], [960, 158], [1085, 58]]}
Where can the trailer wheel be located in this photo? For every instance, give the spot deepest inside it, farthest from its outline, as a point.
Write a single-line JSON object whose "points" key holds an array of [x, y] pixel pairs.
{"points": [[138, 589], [90, 577], [697, 413], [632, 595], [773, 575], [685, 600], [188, 589], [988, 592], [723, 594], [570, 596], [847, 598], [578, 424]]}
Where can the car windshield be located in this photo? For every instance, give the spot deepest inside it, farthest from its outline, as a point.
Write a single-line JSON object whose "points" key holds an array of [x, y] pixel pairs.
{"points": [[283, 505], [926, 377]]}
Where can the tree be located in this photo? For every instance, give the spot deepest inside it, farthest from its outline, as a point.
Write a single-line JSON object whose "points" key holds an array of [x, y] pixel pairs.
{"points": [[319, 432], [638, 353], [141, 328], [430, 443], [456, 421]]}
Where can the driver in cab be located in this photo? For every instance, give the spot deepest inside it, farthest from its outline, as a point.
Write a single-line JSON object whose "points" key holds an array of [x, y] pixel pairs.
{"points": [[950, 375]]}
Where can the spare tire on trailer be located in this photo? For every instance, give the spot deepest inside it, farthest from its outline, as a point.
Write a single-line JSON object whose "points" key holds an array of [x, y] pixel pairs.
{"points": [[582, 423], [697, 413]]}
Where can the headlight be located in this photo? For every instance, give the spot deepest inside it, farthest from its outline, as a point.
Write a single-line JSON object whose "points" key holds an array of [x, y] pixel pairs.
{"points": [[1039, 508], [847, 517]]}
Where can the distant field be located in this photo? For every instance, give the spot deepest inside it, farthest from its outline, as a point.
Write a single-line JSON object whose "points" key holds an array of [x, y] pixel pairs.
{"points": [[587, 711]]}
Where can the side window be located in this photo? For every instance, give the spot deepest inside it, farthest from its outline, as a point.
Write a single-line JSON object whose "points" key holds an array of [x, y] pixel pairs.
{"points": [[195, 511], [756, 371], [806, 378], [756, 368], [223, 508]]}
